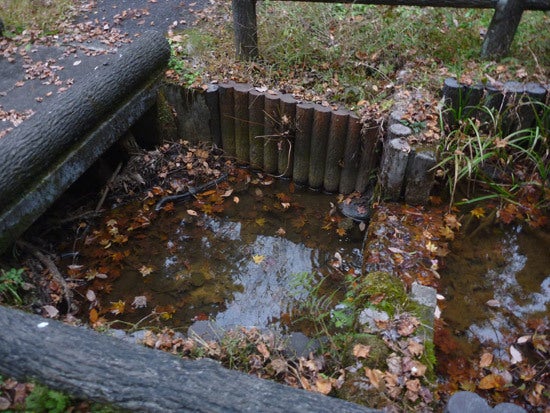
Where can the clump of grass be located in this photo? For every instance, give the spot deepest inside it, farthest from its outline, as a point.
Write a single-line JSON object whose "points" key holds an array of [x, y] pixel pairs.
{"points": [[44, 15], [484, 159]]}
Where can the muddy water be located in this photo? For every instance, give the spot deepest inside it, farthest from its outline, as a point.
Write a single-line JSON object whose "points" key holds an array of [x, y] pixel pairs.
{"points": [[497, 286], [239, 267]]}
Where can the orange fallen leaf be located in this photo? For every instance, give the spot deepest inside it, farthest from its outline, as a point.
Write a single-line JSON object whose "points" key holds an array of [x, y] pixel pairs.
{"points": [[491, 381]]}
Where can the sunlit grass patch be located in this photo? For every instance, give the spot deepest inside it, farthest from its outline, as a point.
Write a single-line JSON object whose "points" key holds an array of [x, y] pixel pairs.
{"points": [[19, 15]]}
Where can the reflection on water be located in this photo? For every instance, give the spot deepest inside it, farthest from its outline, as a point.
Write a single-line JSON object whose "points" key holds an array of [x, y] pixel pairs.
{"points": [[237, 268], [511, 268]]}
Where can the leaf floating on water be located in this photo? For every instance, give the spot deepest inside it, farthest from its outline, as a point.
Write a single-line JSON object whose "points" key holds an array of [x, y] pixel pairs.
{"points": [[341, 232], [362, 226], [145, 270], [90, 295], [260, 222], [523, 339], [140, 301], [493, 303], [258, 259], [117, 307], [478, 212], [281, 232]]}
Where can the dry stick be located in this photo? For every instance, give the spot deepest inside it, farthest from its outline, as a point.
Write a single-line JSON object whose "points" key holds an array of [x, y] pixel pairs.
{"points": [[107, 187], [52, 268]]}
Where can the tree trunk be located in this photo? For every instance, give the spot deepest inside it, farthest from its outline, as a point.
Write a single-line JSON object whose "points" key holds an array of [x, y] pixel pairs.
{"points": [[89, 365], [246, 32], [502, 29]]}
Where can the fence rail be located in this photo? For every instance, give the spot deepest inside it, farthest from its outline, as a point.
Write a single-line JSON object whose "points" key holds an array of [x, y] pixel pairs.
{"points": [[496, 44]]}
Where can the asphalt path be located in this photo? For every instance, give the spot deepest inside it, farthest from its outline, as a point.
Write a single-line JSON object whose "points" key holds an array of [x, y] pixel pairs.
{"points": [[34, 72]]}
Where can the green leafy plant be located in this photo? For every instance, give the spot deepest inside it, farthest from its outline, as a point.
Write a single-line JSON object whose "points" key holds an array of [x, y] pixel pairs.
{"points": [[42, 399], [10, 283]]}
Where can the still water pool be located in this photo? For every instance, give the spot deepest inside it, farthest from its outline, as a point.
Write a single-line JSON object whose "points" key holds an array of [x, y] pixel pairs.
{"points": [[238, 267]]}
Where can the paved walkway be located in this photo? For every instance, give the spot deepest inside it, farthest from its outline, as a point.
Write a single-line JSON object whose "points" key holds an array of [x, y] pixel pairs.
{"points": [[35, 71]]}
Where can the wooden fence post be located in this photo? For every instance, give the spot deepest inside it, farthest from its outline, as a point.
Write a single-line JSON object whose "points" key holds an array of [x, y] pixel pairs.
{"points": [[246, 32], [502, 29]]}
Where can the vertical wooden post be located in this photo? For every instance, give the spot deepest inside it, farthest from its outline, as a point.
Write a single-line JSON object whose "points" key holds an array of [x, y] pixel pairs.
{"points": [[227, 118], [246, 31], [271, 130], [288, 124], [302, 143], [336, 145], [502, 29], [212, 99], [318, 149], [369, 156], [256, 128], [242, 141], [352, 155]]}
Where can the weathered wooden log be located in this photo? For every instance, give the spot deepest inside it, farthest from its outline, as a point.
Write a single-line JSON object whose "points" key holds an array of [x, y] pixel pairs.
{"points": [[502, 29], [50, 132], [245, 27], [318, 148], [393, 166], [227, 117], [288, 129], [42, 157], [271, 133], [212, 98], [302, 142], [420, 176], [94, 366], [352, 154], [242, 140], [531, 105], [256, 128], [336, 145], [370, 156]]}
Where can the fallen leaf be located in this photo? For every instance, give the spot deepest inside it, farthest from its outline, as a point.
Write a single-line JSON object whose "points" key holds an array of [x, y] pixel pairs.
{"points": [[415, 348], [478, 212], [486, 360], [374, 376], [323, 385], [493, 303], [93, 315], [140, 301], [90, 296], [258, 259], [51, 311], [491, 381], [192, 212], [516, 355], [341, 232], [361, 351], [117, 307], [236, 199], [260, 222], [262, 348], [145, 270]]}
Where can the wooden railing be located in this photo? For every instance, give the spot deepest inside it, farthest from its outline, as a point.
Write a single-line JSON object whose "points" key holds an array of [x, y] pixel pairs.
{"points": [[496, 44]]}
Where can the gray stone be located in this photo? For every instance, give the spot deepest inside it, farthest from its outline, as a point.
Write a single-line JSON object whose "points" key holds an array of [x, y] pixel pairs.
{"points": [[424, 295], [468, 402], [369, 316]]}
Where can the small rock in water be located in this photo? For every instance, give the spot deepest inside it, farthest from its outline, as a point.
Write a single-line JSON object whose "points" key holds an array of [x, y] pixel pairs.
{"points": [[357, 209]]}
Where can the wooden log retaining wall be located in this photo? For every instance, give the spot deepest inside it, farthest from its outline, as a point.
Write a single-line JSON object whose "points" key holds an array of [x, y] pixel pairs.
{"points": [[519, 105], [314, 145]]}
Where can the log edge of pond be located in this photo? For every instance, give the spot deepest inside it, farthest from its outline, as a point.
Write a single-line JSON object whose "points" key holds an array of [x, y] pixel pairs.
{"points": [[87, 364]]}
